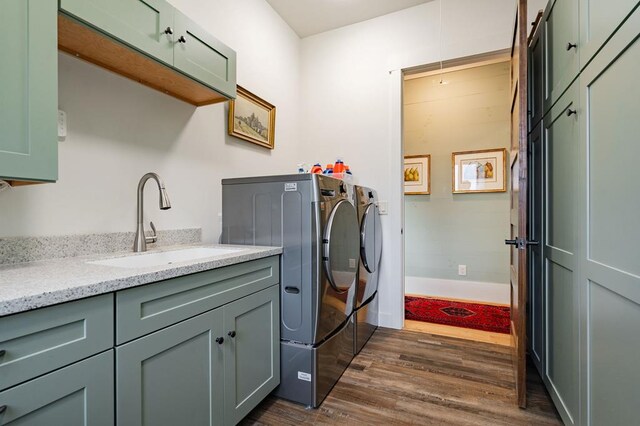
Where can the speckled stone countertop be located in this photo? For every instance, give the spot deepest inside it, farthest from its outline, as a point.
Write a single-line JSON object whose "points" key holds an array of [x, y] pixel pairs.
{"points": [[30, 285]]}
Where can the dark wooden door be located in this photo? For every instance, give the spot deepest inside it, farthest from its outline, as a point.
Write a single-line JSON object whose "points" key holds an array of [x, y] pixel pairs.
{"points": [[519, 186]]}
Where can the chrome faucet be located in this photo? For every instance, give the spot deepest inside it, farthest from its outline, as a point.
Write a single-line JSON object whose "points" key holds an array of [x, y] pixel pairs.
{"points": [[140, 243]]}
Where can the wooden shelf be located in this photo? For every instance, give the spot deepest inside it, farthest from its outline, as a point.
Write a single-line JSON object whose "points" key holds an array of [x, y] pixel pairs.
{"points": [[92, 46]]}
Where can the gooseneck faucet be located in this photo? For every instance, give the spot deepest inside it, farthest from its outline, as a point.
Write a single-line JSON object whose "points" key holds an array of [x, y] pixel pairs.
{"points": [[140, 243]]}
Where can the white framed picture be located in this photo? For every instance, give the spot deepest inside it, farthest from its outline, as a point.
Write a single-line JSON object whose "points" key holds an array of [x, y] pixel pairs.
{"points": [[479, 171], [417, 174]]}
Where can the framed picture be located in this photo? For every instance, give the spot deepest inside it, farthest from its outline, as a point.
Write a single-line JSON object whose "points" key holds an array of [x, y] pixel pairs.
{"points": [[479, 171], [417, 174], [252, 119]]}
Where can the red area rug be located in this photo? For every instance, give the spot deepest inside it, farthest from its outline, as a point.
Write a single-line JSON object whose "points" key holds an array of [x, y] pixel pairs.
{"points": [[459, 314]]}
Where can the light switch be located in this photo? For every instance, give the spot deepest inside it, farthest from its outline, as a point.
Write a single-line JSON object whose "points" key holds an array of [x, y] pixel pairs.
{"points": [[383, 207], [462, 270]]}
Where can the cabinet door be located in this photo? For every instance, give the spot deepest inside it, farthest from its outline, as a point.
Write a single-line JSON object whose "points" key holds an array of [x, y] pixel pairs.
{"points": [[536, 78], [598, 20], [173, 376], [29, 90], [561, 140], [78, 395], [536, 233], [252, 357], [203, 57], [610, 261], [561, 49], [138, 23]]}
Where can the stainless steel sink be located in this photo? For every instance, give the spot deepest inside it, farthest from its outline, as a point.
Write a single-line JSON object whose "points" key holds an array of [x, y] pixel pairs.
{"points": [[166, 257]]}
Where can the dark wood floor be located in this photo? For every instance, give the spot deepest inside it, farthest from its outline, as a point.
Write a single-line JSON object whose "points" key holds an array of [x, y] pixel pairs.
{"points": [[406, 377]]}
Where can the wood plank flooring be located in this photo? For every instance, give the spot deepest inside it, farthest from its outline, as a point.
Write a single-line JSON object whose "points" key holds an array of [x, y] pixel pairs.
{"points": [[404, 377]]}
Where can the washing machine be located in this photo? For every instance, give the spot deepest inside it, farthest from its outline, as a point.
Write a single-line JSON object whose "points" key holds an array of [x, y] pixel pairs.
{"points": [[314, 219], [366, 297]]}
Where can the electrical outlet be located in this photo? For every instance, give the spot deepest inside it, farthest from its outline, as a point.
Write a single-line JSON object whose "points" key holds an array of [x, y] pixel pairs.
{"points": [[462, 270], [62, 124], [383, 207]]}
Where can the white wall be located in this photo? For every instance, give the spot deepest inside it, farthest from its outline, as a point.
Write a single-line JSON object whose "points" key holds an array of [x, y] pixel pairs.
{"points": [[351, 94], [118, 130]]}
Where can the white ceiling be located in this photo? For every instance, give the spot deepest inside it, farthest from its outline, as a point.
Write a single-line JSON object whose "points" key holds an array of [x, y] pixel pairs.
{"points": [[308, 17]]}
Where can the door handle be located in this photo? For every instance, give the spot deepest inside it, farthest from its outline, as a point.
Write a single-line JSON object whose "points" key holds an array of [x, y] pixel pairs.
{"points": [[511, 242]]}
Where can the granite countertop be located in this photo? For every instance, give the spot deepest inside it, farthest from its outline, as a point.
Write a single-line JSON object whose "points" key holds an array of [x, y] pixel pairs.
{"points": [[31, 285]]}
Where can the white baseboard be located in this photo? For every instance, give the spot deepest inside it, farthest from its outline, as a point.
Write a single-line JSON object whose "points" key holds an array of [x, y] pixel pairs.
{"points": [[456, 289]]}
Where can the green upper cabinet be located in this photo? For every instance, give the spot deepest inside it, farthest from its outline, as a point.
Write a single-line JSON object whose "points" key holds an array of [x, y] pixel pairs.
{"points": [[144, 24], [561, 49], [598, 20], [203, 57], [29, 90]]}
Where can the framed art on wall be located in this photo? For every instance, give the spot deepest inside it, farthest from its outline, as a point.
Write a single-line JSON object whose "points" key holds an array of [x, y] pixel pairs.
{"points": [[479, 171], [417, 174], [252, 119]]}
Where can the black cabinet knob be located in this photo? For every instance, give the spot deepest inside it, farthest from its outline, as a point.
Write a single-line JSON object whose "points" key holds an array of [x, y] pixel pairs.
{"points": [[181, 39], [231, 334], [571, 46], [168, 30], [570, 112], [3, 408], [219, 340], [2, 352]]}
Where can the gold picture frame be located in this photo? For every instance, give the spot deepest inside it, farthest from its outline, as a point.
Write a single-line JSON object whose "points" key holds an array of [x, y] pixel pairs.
{"points": [[252, 119], [479, 171], [417, 174]]}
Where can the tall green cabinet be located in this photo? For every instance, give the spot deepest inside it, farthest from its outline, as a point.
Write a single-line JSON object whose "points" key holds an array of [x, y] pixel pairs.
{"points": [[29, 90], [589, 280]]}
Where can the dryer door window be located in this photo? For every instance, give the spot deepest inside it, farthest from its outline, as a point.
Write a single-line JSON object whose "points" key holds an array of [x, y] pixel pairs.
{"points": [[341, 246], [371, 238]]}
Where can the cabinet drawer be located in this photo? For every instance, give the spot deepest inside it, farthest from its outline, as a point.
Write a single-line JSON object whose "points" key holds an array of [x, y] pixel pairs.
{"points": [[145, 309], [561, 49], [43, 340], [78, 395]]}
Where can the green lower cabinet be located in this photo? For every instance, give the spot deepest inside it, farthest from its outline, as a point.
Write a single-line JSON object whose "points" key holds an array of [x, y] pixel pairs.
{"points": [[78, 395], [173, 376], [29, 90], [203, 57], [211, 369], [610, 261], [562, 311], [141, 24], [252, 352]]}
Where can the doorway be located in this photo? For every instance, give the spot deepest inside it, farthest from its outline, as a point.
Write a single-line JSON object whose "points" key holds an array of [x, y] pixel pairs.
{"points": [[456, 263]]}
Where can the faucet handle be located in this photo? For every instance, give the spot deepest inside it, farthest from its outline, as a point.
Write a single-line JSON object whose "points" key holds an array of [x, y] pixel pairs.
{"points": [[154, 236]]}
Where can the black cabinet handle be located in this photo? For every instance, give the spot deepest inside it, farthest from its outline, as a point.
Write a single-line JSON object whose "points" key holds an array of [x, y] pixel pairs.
{"points": [[2, 352], [571, 46], [168, 30], [219, 340], [3, 408], [570, 112], [182, 40], [231, 334]]}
